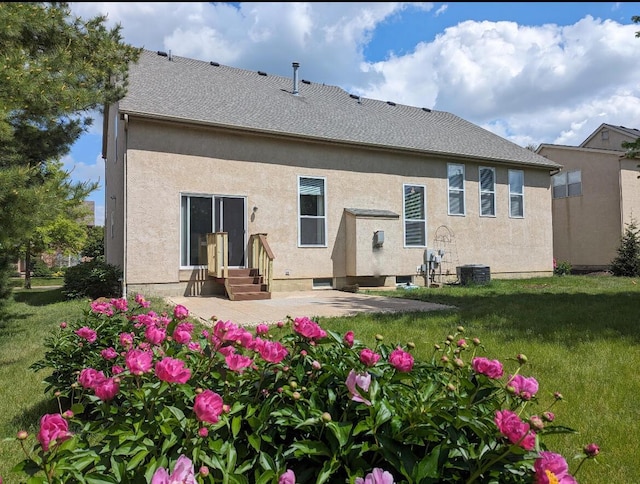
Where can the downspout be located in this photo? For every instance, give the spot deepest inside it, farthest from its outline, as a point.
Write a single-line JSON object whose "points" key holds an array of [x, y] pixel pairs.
{"points": [[124, 206]]}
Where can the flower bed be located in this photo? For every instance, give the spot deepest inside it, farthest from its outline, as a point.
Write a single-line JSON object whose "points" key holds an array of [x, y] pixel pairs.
{"points": [[145, 397]]}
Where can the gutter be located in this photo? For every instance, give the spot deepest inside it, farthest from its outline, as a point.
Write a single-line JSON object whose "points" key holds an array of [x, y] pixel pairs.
{"points": [[124, 206]]}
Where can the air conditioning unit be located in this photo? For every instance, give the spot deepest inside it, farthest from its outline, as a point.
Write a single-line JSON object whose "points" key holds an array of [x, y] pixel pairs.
{"points": [[473, 274]]}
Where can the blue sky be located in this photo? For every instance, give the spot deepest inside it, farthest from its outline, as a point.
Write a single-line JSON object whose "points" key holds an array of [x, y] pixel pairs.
{"points": [[532, 72]]}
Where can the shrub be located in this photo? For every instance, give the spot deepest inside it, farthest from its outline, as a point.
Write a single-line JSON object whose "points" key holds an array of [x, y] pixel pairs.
{"points": [[148, 392], [93, 279], [561, 268], [627, 262], [41, 269]]}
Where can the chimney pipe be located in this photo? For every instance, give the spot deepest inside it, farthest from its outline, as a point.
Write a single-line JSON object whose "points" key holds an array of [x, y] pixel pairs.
{"points": [[295, 78]]}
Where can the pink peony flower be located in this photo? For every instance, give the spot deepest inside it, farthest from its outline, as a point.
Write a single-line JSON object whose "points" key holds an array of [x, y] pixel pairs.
{"points": [[203, 432], [109, 353], [484, 366], [183, 473], [376, 476], [287, 477], [126, 339], [140, 300], [87, 334], [107, 389], [515, 429], [180, 312], [369, 357], [120, 304], [551, 468], [53, 427], [116, 369], [525, 388], [102, 307], [154, 334], [262, 329], [172, 370], [273, 351], [90, 377], [237, 362], [138, 361], [308, 328], [208, 406], [348, 338], [361, 380], [182, 333], [591, 450], [401, 360]]}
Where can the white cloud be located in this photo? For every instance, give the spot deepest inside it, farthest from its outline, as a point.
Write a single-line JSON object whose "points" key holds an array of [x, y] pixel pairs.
{"points": [[530, 84]]}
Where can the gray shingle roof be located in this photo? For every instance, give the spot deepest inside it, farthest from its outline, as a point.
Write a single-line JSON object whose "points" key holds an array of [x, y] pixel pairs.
{"points": [[180, 88]]}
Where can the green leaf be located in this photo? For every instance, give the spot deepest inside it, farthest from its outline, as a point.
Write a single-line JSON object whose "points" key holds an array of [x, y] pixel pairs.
{"points": [[236, 423], [137, 459], [179, 414], [310, 447], [341, 430], [254, 441], [327, 470], [100, 479]]}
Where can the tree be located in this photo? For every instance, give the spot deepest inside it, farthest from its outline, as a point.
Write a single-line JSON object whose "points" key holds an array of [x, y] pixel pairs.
{"points": [[56, 71], [94, 245], [636, 20], [627, 262]]}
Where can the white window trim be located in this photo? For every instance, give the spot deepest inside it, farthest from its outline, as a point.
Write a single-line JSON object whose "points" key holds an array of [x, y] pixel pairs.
{"points": [[483, 192], [324, 217], [404, 216], [459, 190], [521, 194]]}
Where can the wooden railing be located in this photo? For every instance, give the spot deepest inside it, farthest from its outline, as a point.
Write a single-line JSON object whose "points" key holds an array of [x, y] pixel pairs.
{"points": [[262, 258], [218, 254]]}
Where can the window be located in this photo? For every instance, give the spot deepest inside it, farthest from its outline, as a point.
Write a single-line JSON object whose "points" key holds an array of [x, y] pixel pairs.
{"points": [[312, 209], [516, 193], [567, 184], [455, 175], [196, 213], [415, 218], [487, 191]]}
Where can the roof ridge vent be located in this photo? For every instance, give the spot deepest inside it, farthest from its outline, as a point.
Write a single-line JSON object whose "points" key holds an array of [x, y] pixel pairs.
{"points": [[162, 53], [304, 81], [391, 103], [262, 73], [217, 64]]}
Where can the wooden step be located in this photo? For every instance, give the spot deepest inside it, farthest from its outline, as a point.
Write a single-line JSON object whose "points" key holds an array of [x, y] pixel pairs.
{"points": [[250, 296], [238, 288]]}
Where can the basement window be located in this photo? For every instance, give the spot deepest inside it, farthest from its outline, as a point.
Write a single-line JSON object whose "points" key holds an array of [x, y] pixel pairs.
{"points": [[323, 283]]}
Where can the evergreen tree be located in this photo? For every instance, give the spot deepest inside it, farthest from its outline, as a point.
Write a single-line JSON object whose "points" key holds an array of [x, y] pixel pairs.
{"points": [[627, 262], [56, 71]]}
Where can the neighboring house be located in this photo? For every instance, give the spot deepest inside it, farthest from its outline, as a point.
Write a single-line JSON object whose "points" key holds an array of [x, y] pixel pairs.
{"points": [[314, 186], [595, 196]]}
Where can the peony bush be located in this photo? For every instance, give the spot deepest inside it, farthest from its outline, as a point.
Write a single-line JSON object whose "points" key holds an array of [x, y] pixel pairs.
{"points": [[147, 397]]}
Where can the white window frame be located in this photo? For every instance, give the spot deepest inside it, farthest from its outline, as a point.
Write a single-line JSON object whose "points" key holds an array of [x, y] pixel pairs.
{"points": [[456, 190], [487, 192], [182, 226], [564, 181], [513, 193], [423, 220], [323, 217]]}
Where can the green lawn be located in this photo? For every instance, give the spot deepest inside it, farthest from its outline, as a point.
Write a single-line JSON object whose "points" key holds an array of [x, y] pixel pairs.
{"points": [[581, 335]]}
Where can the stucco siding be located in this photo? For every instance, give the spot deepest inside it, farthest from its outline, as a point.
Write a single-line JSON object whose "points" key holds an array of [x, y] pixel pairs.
{"points": [[630, 191], [164, 162], [587, 227]]}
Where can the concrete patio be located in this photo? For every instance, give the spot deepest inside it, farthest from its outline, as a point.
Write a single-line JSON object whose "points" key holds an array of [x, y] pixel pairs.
{"points": [[320, 303]]}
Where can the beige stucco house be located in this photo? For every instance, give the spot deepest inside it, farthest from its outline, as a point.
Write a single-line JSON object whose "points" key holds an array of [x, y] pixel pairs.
{"points": [[595, 195], [211, 168]]}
